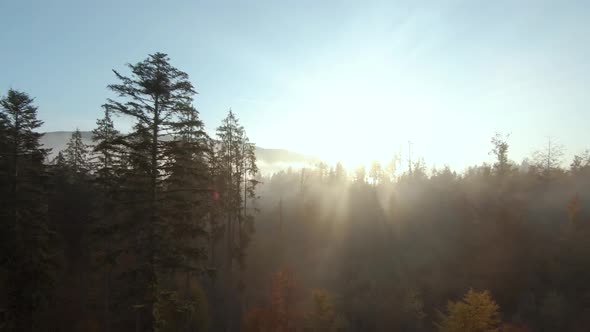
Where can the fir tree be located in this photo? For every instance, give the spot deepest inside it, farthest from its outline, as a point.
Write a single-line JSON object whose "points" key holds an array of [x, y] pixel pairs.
{"points": [[156, 96], [28, 244], [76, 153], [108, 164], [237, 167], [187, 193]]}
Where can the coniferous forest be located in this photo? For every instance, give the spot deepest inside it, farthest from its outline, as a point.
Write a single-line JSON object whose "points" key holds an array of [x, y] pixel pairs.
{"points": [[167, 228]]}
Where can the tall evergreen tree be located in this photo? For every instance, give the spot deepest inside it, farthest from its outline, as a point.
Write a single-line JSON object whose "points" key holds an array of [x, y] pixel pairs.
{"points": [[108, 164], [187, 191], [108, 156], [237, 165], [157, 97], [71, 210], [28, 253], [235, 169]]}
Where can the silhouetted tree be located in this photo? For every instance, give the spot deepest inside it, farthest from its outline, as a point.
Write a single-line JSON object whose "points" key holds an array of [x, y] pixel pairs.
{"points": [[108, 164], [237, 165], [155, 96], [376, 173], [76, 153], [549, 159], [500, 150], [28, 244], [360, 174]]}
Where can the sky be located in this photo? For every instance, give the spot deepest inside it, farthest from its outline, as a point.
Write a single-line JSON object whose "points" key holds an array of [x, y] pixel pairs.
{"points": [[345, 80]]}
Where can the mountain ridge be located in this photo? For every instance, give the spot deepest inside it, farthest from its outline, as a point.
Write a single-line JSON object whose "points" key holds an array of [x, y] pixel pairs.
{"points": [[270, 160]]}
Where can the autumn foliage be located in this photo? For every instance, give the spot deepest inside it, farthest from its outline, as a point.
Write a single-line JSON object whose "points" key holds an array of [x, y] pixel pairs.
{"points": [[476, 312]]}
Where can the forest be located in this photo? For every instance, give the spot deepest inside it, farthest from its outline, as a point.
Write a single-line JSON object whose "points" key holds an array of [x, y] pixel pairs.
{"points": [[166, 228]]}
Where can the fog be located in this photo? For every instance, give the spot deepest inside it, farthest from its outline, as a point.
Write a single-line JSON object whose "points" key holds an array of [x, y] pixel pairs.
{"points": [[309, 166]]}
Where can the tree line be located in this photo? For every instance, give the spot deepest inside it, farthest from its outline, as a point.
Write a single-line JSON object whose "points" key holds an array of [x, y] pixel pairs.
{"points": [[132, 232], [153, 230], [501, 246]]}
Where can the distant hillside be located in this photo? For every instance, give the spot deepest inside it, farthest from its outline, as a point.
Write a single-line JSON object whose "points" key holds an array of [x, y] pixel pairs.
{"points": [[57, 140], [269, 160]]}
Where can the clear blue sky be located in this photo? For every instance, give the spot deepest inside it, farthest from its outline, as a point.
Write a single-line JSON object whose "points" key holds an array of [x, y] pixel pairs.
{"points": [[334, 78]]}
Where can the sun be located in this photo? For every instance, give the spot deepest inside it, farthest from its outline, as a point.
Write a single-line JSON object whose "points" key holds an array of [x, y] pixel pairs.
{"points": [[356, 109]]}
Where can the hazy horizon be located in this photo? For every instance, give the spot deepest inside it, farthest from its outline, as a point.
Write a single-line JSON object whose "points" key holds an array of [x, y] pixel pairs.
{"points": [[308, 166]]}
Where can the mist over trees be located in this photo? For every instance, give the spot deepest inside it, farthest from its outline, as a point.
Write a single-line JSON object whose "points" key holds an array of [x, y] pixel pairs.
{"points": [[164, 228]]}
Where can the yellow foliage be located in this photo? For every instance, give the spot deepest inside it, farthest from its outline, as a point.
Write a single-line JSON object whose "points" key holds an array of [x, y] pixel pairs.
{"points": [[476, 312]]}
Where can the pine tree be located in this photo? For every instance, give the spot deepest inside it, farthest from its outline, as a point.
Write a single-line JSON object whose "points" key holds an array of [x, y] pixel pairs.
{"points": [[4, 152], [186, 213], [109, 156], [76, 153], [108, 164], [28, 253], [59, 161], [237, 167], [71, 211], [250, 182], [156, 96]]}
